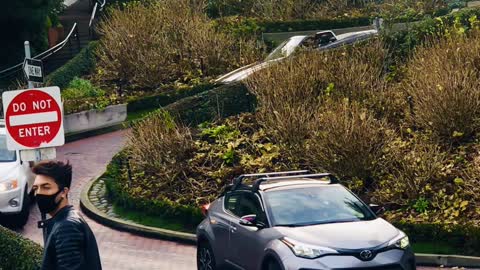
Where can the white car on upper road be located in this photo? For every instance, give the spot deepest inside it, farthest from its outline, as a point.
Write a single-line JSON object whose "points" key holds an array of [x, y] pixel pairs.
{"points": [[323, 40], [16, 180]]}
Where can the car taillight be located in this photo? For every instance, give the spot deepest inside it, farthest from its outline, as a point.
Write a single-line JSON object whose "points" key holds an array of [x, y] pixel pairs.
{"points": [[204, 209]]}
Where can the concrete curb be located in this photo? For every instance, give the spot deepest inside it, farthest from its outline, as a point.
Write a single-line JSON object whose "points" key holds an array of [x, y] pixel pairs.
{"points": [[71, 137], [91, 211], [447, 260]]}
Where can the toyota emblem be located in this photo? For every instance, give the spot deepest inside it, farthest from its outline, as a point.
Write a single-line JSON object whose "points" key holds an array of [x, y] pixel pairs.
{"points": [[366, 255]]}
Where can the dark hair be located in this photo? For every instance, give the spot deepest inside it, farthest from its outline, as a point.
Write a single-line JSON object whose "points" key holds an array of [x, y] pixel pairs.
{"points": [[59, 171]]}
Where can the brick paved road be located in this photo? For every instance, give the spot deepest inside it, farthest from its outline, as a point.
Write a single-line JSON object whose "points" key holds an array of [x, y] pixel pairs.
{"points": [[119, 250]]}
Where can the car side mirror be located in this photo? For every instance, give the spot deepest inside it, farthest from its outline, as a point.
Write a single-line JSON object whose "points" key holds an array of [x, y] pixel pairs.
{"points": [[251, 221], [377, 209]]}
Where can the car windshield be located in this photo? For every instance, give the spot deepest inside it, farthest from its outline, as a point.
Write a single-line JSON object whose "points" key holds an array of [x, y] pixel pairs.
{"points": [[315, 205], [5, 154], [285, 48]]}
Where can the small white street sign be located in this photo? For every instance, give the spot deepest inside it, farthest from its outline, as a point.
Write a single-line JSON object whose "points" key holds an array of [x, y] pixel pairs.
{"points": [[33, 70]]}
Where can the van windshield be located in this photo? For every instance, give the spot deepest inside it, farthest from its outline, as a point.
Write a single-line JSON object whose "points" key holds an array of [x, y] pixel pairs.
{"points": [[5, 154]]}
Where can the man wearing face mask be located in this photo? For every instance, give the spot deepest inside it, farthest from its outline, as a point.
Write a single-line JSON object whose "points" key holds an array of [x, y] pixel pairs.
{"points": [[69, 242]]}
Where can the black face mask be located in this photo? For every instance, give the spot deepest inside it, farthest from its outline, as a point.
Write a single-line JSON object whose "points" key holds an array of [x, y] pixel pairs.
{"points": [[46, 203]]}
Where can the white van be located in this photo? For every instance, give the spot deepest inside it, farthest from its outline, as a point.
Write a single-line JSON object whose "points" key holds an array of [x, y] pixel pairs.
{"points": [[16, 180]]}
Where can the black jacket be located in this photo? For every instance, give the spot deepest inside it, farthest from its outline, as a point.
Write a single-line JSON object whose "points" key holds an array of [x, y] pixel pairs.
{"points": [[69, 243]]}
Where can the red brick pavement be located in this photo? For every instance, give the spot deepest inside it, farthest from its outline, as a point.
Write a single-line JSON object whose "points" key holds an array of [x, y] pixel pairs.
{"points": [[118, 250]]}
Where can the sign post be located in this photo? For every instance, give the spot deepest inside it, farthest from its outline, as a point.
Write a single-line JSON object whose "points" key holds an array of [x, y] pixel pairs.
{"points": [[28, 55], [34, 117]]}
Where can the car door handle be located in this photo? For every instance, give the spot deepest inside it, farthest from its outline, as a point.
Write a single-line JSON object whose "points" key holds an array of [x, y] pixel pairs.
{"points": [[233, 229]]}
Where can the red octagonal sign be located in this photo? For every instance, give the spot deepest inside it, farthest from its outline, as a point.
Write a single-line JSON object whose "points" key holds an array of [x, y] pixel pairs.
{"points": [[33, 118]]}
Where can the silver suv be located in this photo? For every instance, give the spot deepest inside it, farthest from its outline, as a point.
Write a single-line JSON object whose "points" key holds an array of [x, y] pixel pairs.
{"points": [[295, 220]]}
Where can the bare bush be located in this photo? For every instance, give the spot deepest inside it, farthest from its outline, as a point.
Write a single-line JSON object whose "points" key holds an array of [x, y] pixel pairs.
{"points": [[290, 92], [409, 170], [147, 45], [284, 9], [443, 79], [348, 140], [288, 95], [159, 147]]}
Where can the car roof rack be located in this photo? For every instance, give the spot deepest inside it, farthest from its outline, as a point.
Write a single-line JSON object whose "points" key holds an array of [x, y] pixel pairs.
{"points": [[237, 182], [333, 179]]}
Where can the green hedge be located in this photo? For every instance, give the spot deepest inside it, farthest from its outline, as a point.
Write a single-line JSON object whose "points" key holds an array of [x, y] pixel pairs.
{"points": [[220, 102], [82, 64], [248, 27], [163, 99], [17, 252], [403, 42], [461, 237], [189, 216], [306, 25]]}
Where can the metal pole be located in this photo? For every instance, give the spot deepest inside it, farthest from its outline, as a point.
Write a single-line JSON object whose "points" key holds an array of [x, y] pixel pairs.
{"points": [[38, 155], [28, 55]]}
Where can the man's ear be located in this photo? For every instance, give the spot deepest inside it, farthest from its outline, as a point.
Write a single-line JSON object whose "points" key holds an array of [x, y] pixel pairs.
{"points": [[66, 190]]}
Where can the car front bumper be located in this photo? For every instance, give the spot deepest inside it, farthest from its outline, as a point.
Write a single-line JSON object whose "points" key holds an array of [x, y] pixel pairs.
{"points": [[388, 260], [6, 197]]}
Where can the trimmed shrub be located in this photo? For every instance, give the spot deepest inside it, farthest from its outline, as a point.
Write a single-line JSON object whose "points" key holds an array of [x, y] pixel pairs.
{"points": [[82, 64], [17, 252]]}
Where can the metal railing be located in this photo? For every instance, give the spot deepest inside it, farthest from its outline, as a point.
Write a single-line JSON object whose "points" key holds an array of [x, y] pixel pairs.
{"points": [[42, 56], [99, 6]]}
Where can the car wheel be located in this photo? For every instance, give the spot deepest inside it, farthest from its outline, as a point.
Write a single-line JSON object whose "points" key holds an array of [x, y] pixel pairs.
{"points": [[205, 257], [273, 265], [22, 218]]}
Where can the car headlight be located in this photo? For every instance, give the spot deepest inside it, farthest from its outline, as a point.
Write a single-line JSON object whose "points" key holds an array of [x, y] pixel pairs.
{"points": [[307, 251], [8, 185], [401, 241]]}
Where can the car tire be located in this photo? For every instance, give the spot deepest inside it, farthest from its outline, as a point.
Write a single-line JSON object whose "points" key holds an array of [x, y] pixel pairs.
{"points": [[205, 257], [273, 265], [21, 219]]}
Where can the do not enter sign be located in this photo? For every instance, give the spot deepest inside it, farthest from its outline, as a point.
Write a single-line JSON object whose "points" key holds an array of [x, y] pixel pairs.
{"points": [[33, 118]]}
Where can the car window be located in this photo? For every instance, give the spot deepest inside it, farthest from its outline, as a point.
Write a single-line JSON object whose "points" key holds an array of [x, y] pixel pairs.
{"points": [[324, 38], [243, 204], [231, 203], [249, 205], [315, 205], [5, 154]]}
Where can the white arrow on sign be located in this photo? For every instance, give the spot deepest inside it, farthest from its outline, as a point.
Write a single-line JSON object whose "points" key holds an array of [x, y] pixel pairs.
{"points": [[33, 70]]}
